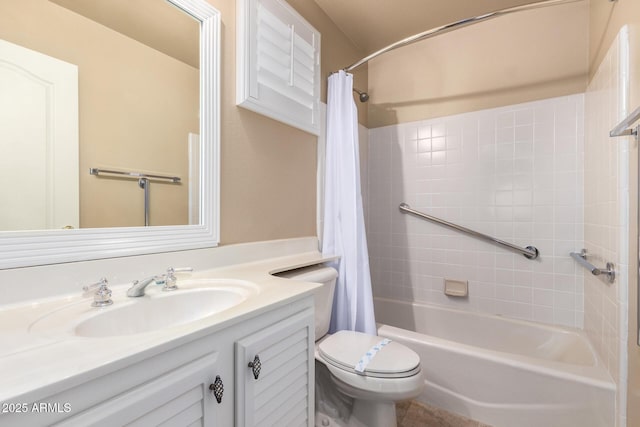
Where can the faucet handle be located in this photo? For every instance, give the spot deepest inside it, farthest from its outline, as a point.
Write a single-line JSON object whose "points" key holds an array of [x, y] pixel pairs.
{"points": [[102, 296], [170, 278]]}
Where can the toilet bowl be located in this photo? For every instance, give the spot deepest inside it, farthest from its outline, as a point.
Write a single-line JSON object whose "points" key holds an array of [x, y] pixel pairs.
{"points": [[372, 371], [393, 374]]}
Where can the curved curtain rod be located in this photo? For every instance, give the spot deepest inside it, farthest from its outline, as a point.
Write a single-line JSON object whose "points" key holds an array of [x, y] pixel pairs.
{"points": [[453, 26]]}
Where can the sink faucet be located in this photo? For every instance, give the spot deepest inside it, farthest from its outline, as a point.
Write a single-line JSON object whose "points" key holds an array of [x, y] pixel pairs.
{"points": [[138, 286], [168, 280]]}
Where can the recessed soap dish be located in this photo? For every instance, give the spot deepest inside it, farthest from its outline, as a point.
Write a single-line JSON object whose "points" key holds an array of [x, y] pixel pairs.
{"points": [[456, 288]]}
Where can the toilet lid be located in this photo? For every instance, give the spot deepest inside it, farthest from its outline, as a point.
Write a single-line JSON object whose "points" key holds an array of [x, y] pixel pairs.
{"points": [[345, 349]]}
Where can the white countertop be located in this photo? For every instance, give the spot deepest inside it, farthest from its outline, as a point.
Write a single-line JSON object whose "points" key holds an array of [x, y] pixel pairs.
{"points": [[34, 363]]}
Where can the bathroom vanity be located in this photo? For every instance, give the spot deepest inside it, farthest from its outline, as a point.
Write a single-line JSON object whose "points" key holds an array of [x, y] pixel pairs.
{"points": [[233, 345], [250, 360]]}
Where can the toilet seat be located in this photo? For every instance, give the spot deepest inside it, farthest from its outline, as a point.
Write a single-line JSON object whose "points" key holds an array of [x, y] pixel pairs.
{"points": [[344, 349]]}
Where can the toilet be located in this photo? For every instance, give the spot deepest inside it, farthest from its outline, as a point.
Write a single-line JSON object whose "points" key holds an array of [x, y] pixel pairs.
{"points": [[390, 373]]}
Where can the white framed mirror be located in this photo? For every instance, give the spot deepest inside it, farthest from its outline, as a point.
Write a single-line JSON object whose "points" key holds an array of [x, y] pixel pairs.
{"points": [[31, 247]]}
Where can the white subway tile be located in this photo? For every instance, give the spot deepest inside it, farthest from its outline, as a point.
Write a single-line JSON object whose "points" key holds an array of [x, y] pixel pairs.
{"points": [[523, 134], [505, 135], [523, 117], [438, 144], [504, 172], [564, 317], [424, 131], [543, 314], [543, 113], [438, 130]]}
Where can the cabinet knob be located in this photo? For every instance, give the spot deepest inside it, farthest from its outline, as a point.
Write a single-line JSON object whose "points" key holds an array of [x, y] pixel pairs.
{"points": [[217, 388], [255, 366]]}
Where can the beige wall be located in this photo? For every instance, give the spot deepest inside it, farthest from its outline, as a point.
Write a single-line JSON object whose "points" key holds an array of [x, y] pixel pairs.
{"points": [[523, 57], [268, 169], [606, 19], [128, 92]]}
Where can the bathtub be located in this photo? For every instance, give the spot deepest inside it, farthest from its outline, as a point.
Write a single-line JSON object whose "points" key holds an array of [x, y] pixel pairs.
{"points": [[502, 372]]}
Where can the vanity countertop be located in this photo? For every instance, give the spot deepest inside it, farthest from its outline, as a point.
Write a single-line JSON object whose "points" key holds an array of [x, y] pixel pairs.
{"points": [[34, 363]]}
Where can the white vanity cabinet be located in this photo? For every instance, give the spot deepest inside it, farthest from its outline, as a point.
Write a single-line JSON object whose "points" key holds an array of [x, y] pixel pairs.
{"points": [[273, 376], [173, 384], [182, 397], [167, 384]]}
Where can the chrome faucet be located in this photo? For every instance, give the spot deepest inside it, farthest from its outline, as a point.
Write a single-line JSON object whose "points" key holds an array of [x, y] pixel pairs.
{"points": [[138, 286], [168, 280], [102, 296]]}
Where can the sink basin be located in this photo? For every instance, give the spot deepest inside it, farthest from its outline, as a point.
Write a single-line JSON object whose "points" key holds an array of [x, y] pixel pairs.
{"points": [[158, 312], [194, 300]]}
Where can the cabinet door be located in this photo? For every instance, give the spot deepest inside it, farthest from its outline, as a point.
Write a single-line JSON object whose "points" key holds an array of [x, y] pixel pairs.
{"points": [[275, 375], [278, 63], [179, 398]]}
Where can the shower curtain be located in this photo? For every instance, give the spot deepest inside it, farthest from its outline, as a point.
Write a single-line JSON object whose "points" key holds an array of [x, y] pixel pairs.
{"points": [[344, 232]]}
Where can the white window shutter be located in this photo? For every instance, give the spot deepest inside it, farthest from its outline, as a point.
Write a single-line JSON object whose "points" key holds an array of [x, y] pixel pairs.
{"points": [[278, 63]]}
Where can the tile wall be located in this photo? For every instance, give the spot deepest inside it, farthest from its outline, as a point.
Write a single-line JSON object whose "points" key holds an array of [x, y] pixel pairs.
{"points": [[515, 173], [607, 214]]}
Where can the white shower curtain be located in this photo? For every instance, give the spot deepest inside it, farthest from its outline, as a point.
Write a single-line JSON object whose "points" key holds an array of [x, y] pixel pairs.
{"points": [[344, 232]]}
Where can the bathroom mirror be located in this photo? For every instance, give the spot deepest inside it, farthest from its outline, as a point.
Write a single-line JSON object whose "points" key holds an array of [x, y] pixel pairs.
{"points": [[196, 90]]}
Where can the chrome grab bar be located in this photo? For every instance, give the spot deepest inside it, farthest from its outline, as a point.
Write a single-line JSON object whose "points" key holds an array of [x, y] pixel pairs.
{"points": [[530, 252], [582, 260]]}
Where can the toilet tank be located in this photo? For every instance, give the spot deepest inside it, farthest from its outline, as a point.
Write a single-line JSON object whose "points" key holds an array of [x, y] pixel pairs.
{"points": [[323, 296]]}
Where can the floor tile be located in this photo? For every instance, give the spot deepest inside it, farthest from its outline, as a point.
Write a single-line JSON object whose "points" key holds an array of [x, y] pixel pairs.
{"points": [[414, 414]]}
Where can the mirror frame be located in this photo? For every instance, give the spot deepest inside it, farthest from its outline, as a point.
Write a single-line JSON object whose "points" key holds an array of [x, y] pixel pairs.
{"points": [[31, 248]]}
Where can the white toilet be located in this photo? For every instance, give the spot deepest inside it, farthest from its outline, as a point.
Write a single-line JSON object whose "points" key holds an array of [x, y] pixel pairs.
{"points": [[392, 374]]}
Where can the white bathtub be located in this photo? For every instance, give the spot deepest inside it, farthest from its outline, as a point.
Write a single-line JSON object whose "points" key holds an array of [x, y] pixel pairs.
{"points": [[502, 372]]}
